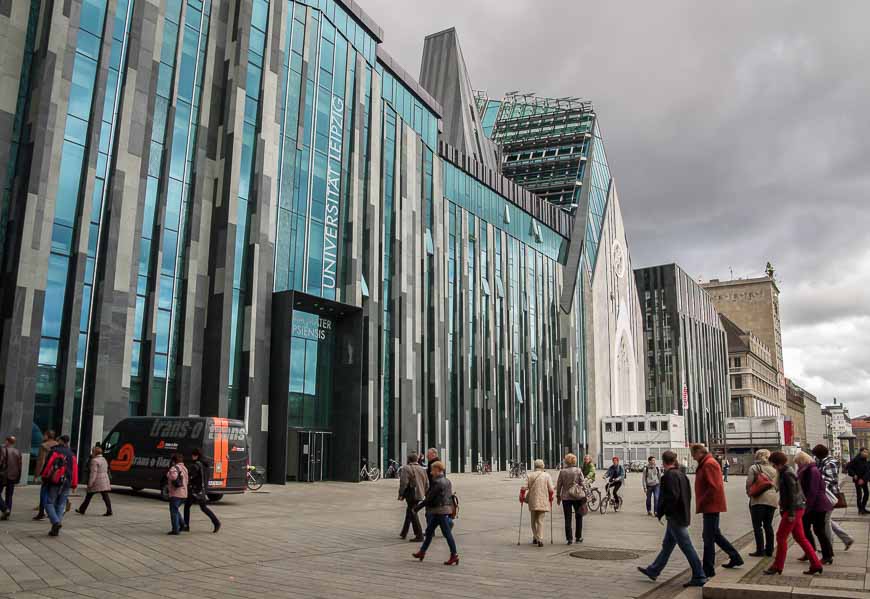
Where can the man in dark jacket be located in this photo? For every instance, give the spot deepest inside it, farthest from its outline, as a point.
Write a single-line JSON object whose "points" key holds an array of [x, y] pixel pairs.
{"points": [[196, 491], [710, 501], [859, 470], [675, 502], [10, 475], [413, 484]]}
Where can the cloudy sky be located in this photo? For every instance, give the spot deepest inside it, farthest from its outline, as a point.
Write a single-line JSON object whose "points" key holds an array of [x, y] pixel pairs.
{"points": [[738, 132]]}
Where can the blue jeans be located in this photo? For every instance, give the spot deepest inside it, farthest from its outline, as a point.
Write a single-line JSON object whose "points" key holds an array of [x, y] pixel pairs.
{"points": [[678, 536], [713, 536], [55, 502], [174, 514], [43, 497], [443, 521], [652, 493]]}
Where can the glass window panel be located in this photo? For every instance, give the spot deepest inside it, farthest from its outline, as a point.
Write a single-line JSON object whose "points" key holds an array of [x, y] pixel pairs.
{"points": [[160, 368], [48, 349], [52, 313], [61, 238], [92, 16], [260, 14], [173, 204], [76, 130], [170, 243], [164, 300], [310, 367], [162, 338], [297, 365], [82, 87]]}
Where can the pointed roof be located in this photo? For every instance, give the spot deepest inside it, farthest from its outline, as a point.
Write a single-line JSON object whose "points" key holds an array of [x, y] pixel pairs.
{"points": [[444, 75]]}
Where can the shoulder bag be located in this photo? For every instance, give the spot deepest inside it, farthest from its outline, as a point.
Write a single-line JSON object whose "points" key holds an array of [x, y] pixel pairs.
{"points": [[576, 491], [761, 485]]}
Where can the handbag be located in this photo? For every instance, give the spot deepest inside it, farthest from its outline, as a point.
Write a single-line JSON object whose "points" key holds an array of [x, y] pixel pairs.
{"points": [[576, 491], [760, 485], [841, 501]]}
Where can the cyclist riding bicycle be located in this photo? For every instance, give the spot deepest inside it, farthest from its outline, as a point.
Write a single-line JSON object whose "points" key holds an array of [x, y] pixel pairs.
{"points": [[615, 476]]}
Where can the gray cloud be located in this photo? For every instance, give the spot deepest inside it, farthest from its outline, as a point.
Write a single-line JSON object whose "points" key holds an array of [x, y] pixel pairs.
{"points": [[737, 133]]}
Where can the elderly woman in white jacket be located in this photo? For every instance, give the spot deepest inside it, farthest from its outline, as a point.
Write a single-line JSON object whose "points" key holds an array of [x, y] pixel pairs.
{"points": [[538, 493]]}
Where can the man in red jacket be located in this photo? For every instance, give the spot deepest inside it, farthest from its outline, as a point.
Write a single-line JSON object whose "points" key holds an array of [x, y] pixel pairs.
{"points": [[710, 501]]}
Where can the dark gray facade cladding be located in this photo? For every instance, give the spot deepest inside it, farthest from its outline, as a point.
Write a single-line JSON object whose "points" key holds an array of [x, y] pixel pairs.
{"points": [[684, 345]]}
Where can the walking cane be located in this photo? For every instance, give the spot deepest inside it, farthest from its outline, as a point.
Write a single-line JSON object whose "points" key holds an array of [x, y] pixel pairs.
{"points": [[551, 524], [520, 529]]}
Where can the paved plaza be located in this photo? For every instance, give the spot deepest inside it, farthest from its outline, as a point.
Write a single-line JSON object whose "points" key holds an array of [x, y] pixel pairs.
{"points": [[341, 540]]}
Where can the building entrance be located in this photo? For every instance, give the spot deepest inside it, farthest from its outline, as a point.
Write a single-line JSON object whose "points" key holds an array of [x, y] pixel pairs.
{"points": [[308, 456]]}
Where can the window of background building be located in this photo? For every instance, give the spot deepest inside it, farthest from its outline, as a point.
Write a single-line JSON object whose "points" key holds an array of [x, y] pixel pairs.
{"points": [[618, 427], [608, 428], [653, 425], [631, 427], [664, 425], [736, 362], [641, 426]]}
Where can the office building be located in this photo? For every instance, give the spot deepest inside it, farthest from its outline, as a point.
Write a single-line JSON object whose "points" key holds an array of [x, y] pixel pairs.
{"points": [[753, 305], [799, 406], [248, 209], [816, 430], [686, 351], [752, 374], [840, 437], [634, 438]]}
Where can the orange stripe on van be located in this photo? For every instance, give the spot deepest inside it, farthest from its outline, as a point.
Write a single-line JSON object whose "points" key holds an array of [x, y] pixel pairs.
{"points": [[220, 449]]}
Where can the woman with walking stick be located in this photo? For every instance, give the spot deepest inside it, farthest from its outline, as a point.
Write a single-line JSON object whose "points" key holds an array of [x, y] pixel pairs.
{"points": [[538, 493]]}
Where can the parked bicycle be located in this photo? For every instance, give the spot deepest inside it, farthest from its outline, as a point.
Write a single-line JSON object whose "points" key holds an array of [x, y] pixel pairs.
{"points": [[593, 495], [484, 467], [610, 499], [255, 477], [366, 473], [517, 470], [392, 469]]}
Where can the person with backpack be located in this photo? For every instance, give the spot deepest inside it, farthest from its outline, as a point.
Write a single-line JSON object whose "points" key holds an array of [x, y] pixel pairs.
{"points": [[676, 504], [49, 442], [196, 491], [440, 505], [651, 477], [59, 475], [538, 494], [413, 485], [762, 482], [571, 494], [98, 482], [177, 479], [10, 475]]}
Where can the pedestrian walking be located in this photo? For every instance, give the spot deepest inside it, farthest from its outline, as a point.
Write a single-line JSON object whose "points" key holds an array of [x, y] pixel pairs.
{"points": [[859, 470], [710, 501], [60, 474], [588, 468], [761, 487], [791, 509], [98, 482], [675, 503], [431, 458], [651, 477], [10, 475], [726, 466], [197, 491], [49, 442], [571, 494], [538, 493], [818, 506], [413, 485], [830, 470], [439, 504], [177, 479]]}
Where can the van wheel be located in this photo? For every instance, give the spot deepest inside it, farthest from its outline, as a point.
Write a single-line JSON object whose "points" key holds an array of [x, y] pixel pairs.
{"points": [[214, 497], [164, 492]]}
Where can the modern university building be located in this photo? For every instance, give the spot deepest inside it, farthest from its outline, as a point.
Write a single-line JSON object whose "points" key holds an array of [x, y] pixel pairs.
{"points": [[248, 209]]}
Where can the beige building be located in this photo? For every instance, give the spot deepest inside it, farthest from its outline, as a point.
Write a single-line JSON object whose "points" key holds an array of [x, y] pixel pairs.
{"points": [[753, 377], [795, 408], [753, 305]]}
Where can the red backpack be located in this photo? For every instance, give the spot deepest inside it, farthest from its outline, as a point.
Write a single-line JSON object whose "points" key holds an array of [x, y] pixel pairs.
{"points": [[58, 470]]}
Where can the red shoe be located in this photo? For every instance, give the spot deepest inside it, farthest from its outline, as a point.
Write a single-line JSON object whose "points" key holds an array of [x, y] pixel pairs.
{"points": [[419, 555], [453, 561]]}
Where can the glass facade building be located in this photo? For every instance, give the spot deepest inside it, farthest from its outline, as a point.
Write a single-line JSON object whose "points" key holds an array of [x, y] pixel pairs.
{"points": [[686, 350], [248, 209]]}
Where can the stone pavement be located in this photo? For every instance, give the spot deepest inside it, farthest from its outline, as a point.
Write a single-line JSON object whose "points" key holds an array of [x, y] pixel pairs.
{"points": [[335, 540], [847, 577]]}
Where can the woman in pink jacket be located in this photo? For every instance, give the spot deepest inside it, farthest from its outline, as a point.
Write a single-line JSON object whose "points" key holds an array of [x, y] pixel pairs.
{"points": [[177, 479]]}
